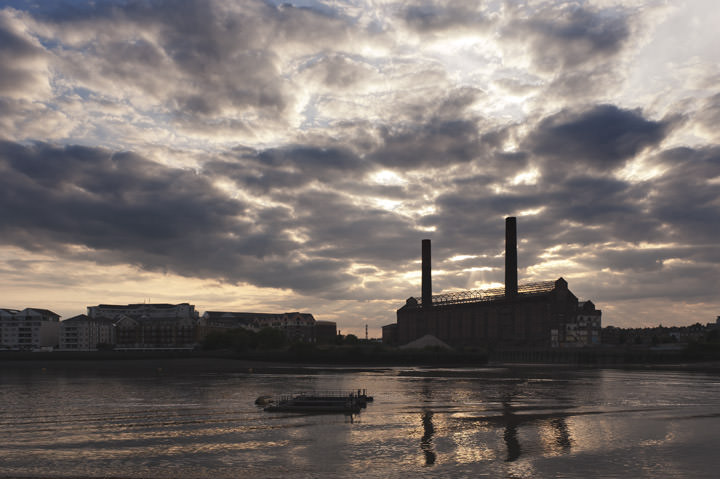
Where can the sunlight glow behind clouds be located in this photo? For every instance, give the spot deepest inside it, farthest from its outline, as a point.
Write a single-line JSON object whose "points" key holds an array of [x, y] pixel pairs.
{"points": [[276, 156]]}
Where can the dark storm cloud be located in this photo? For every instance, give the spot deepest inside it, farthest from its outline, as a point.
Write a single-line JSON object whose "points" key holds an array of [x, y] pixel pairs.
{"points": [[578, 51], [445, 16], [570, 36], [228, 57], [198, 60], [344, 229], [586, 211], [637, 260], [17, 53], [131, 210], [686, 198], [665, 226], [14, 46], [314, 161], [604, 201], [324, 190], [601, 138], [433, 144], [104, 199], [290, 167], [579, 86], [259, 179]]}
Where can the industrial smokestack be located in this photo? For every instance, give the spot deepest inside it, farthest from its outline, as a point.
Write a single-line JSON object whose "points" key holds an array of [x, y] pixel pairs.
{"points": [[511, 280], [426, 275]]}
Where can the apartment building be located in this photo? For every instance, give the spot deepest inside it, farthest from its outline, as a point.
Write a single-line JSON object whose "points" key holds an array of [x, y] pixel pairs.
{"points": [[150, 325], [296, 326], [82, 333], [28, 329]]}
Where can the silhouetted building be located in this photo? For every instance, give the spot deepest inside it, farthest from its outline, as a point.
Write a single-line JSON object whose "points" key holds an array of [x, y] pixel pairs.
{"points": [[389, 334], [155, 333], [325, 332], [82, 333], [659, 336], [147, 310], [296, 326], [150, 325], [586, 328], [527, 315]]}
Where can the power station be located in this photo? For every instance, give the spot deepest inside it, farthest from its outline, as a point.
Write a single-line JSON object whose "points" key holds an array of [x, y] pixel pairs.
{"points": [[538, 315]]}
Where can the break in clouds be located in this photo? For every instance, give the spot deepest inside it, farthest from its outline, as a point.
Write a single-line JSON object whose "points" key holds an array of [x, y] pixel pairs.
{"points": [[310, 146]]}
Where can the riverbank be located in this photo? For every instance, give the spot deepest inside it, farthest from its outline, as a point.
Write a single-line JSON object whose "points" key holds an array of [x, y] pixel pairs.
{"points": [[171, 366], [214, 365], [349, 357]]}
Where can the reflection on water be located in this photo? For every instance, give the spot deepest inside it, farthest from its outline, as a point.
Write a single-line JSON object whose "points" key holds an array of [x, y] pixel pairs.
{"points": [[562, 434], [559, 442], [511, 431], [426, 443], [490, 422]]}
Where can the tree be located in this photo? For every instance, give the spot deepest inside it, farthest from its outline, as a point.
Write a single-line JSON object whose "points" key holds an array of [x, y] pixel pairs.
{"points": [[351, 339], [271, 338], [238, 339]]}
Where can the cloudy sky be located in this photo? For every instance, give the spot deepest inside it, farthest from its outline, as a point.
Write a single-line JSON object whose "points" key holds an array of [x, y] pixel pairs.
{"points": [[282, 156]]}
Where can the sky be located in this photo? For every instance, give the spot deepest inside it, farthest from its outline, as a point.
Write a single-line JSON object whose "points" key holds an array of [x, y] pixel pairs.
{"points": [[269, 156]]}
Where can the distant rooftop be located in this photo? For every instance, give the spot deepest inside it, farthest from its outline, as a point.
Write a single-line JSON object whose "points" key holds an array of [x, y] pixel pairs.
{"points": [[245, 315], [482, 295], [140, 305]]}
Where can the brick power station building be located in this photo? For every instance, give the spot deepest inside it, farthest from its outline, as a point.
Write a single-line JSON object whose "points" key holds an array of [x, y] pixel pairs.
{"points": [[537, 315]]}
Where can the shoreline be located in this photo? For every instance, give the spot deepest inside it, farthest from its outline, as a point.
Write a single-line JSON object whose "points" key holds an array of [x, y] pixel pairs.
{"points": [[197, 365], [173, 365]]}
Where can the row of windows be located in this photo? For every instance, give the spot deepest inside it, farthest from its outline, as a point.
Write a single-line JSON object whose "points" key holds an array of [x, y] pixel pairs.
{"points": [[20, 323]]}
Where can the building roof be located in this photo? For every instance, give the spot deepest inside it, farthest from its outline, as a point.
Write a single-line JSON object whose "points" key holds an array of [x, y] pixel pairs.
{"points": [[82, 318], [486, 295], [45, 312], [140, 305], [250, 316]]}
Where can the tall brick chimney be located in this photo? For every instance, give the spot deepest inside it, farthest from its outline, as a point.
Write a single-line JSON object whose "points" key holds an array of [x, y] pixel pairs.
{"points": [[426, 275], [511, 279]]}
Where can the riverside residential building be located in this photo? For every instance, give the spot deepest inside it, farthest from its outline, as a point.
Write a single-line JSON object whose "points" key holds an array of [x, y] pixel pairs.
{"points": [[82, 333], [150, 325], [296, 326], [28, 329]]}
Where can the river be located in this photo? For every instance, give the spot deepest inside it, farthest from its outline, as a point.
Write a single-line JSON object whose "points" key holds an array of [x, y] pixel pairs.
{"points": [[486, 422]]}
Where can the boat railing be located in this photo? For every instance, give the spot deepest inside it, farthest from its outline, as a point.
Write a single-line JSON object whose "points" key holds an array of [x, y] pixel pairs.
{"points": [[329, 394], [348, 401]]}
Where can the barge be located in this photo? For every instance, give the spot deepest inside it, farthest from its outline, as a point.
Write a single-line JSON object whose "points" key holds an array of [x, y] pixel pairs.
{"points": [[321, 402]]}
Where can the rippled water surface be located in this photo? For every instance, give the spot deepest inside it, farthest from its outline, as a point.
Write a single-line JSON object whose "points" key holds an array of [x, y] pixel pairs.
{"points": [[526, 422]]}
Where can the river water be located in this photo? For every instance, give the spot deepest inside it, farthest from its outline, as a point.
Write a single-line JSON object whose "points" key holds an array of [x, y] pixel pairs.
{"points": [[494, 422]]}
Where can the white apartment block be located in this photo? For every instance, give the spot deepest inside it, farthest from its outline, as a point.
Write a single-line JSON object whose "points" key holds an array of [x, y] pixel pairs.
{"points": [[28, 329]]}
